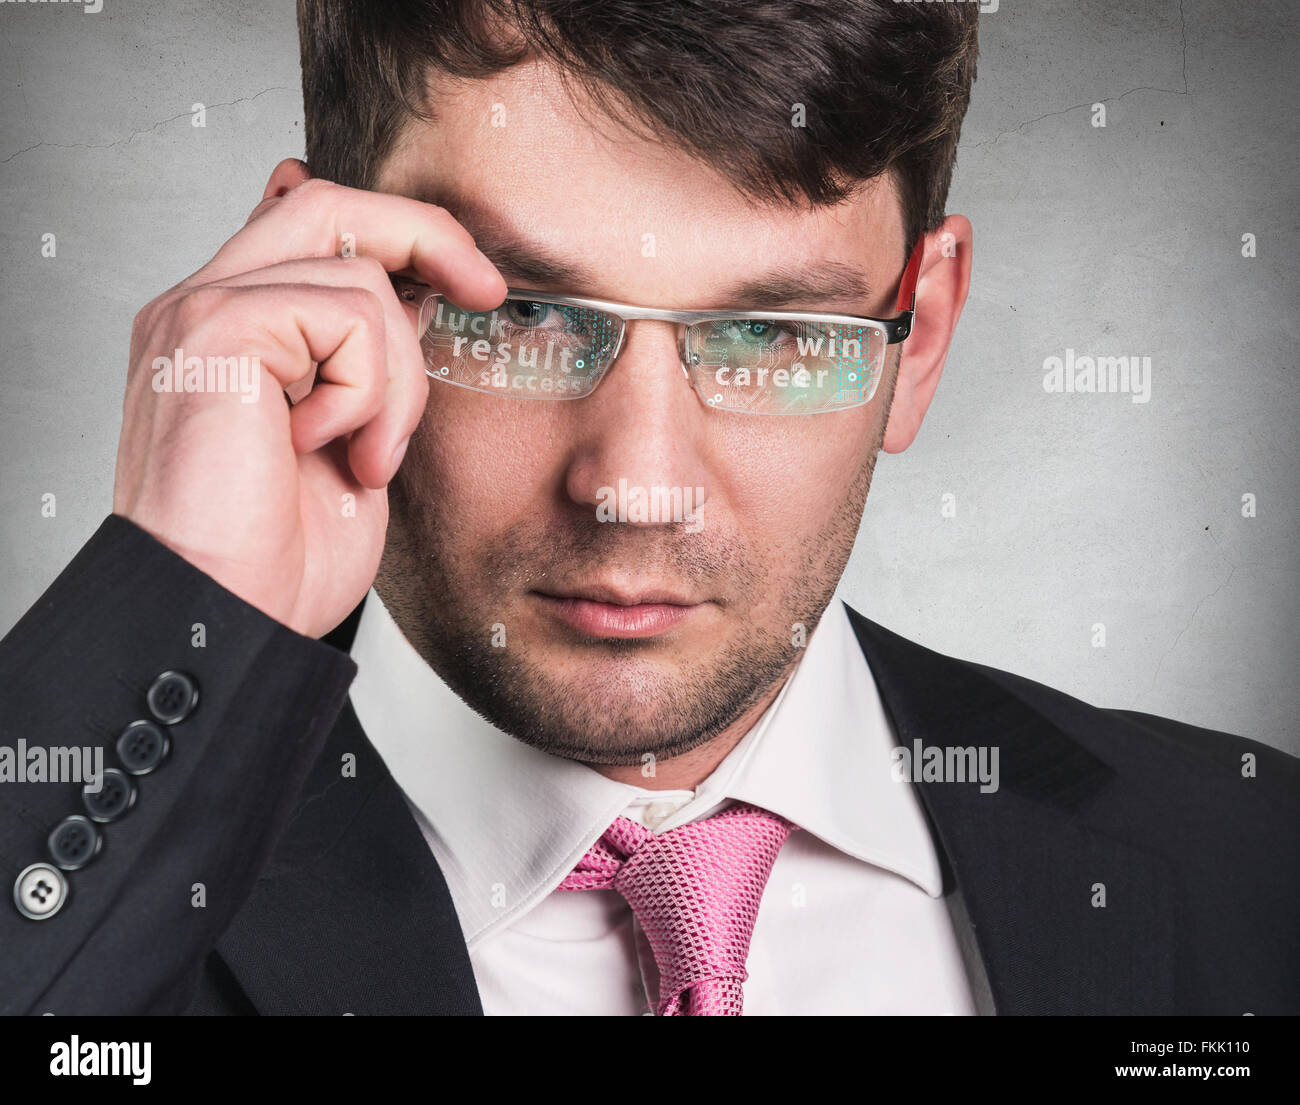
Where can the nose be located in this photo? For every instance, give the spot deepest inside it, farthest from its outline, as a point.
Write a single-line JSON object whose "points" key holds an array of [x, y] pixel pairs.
{"points": [[640, 452]]}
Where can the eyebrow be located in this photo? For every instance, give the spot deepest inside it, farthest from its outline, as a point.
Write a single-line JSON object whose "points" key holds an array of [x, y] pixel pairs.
{"points": [[824, 285], [828, 283]]}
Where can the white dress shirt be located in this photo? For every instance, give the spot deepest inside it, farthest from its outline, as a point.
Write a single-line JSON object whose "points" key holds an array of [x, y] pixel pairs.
{"points": [[851, 921]]}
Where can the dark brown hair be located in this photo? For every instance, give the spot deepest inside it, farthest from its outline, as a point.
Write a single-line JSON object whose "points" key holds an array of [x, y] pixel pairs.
{"points": [[884, 84]]}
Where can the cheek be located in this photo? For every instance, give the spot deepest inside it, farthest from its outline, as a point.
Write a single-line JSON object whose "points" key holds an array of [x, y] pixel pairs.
{"points": [[775, 483], [783, 483], [486, 461]]}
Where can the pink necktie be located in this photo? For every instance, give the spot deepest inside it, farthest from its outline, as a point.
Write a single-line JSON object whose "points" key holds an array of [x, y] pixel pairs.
{"points": [[695, 891]]}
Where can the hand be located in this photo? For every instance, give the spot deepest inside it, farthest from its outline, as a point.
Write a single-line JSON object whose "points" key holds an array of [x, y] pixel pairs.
{"points": [[287, 508]]}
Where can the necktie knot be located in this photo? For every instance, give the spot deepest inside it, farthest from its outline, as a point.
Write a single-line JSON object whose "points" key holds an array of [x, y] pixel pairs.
{"points": [[695, 890]]}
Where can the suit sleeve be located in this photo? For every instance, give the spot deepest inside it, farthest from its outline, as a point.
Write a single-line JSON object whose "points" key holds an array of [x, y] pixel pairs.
{"points": [[139, 900]]}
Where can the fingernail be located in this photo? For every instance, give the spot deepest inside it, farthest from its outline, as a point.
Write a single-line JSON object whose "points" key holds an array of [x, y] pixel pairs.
{"points": [[398, 454]]}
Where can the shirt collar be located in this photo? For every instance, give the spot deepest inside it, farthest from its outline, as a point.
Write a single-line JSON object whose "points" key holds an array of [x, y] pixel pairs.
{"points": [[507, 822]]}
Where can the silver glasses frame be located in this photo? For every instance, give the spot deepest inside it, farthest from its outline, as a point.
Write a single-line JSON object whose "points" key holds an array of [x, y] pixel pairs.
{"points": [[894, 330]]}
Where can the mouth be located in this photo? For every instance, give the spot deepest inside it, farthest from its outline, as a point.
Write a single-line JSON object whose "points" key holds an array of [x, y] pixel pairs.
{"points": [[608, 612]]}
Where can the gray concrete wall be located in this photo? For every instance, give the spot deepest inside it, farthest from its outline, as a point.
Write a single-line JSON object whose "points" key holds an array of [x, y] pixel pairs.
{"points": [[1065, 511]]}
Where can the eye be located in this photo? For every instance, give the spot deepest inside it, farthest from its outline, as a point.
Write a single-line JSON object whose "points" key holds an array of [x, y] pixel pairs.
{"points": [[524, 312], [752, 331]]}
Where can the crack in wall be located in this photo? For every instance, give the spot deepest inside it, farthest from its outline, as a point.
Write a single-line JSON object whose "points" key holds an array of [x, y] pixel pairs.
{"points": [[1108, 100], [148, 130]]}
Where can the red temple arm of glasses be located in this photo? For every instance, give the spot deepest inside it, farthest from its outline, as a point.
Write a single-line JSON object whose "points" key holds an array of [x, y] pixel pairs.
{"points": [[907, 286]]}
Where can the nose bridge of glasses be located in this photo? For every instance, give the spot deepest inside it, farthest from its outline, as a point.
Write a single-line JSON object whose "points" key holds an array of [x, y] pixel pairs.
{"points": [[679, 320]]}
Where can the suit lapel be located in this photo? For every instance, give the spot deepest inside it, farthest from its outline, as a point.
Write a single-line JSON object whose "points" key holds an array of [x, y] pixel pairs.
{"points": [[352, 914], [1027, 858]]}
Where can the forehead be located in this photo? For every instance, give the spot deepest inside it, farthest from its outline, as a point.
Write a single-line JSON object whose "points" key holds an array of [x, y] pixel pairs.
{"points": [[520, 155]]}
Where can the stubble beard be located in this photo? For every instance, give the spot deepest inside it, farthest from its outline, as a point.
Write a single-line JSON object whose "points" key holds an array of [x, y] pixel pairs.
{"points": [[644, 707]]}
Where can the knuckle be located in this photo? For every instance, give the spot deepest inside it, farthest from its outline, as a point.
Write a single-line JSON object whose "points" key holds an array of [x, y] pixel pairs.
{"points": [[445, 221], [198, 305], [263, 207], [149, 316], [143, 324], [313, 195], [368, 307], [370, 272]]}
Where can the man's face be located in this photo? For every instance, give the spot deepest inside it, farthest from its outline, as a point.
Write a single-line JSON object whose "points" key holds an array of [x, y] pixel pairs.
{"points": [[497, 568]]}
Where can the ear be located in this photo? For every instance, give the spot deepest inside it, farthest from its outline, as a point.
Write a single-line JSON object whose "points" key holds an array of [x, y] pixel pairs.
{"points": [[941, 288], [285, 177]]}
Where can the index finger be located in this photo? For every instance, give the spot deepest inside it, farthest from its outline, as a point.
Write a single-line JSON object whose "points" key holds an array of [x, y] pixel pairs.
{"points": [[320, 219]]}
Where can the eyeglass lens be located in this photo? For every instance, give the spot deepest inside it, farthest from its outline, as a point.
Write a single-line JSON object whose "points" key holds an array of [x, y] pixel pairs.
{"points": [[540, 350]]}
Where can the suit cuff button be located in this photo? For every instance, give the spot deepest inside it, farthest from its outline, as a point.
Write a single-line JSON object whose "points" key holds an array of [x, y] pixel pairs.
{"points": [[114, 797], [172, 697], [75, 842], [141, 747], [40, 891]]}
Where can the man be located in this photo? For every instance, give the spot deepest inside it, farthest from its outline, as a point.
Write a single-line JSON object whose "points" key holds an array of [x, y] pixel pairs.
{"points": [[612, 746]]}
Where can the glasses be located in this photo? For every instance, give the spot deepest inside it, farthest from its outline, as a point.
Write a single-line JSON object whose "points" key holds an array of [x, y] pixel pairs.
{"points": [[537, 345]]}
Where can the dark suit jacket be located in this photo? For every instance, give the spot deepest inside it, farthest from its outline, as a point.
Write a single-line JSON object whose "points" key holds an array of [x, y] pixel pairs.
{"points": [[320, 895]]}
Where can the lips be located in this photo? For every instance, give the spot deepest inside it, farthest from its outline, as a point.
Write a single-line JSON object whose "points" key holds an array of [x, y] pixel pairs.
{"points": [[608, 612], [612, 596]]}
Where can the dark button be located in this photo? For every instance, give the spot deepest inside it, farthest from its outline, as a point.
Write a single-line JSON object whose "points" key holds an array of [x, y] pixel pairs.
{"points": [[115, 796], [40, 891], [172, 697], [141, 747], [74, 842]]}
